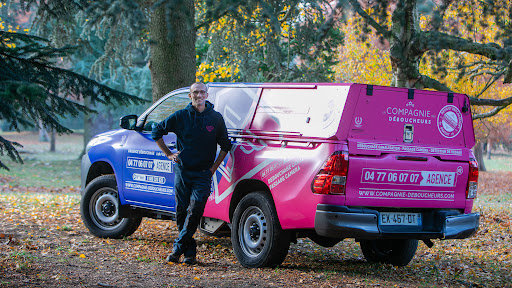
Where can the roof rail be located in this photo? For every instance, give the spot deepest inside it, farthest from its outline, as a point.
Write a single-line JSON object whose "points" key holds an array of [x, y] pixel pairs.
{"points": [[262, 85]]}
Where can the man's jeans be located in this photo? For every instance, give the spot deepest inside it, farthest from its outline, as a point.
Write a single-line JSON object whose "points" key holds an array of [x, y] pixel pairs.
{"points": [[191, 189]]}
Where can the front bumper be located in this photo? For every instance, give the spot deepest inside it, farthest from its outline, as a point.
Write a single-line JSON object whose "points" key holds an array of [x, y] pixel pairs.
{"points": [[85, 165], [362, 223]]}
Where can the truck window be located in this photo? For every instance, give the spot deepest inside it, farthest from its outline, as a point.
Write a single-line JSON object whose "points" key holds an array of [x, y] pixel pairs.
{"points": [[166, 108], [311, 112], [236, 105]]}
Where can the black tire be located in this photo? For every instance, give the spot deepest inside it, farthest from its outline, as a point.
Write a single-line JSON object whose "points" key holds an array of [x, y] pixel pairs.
{"points": [[100, 210], [398, 252], [256, 234]]}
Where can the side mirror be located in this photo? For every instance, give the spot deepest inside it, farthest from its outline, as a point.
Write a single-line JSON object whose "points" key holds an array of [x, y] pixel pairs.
{"points": [[128, 122]]}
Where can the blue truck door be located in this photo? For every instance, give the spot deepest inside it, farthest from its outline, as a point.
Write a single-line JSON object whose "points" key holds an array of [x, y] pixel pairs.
{"points": [[148, 178], [148, 175]]}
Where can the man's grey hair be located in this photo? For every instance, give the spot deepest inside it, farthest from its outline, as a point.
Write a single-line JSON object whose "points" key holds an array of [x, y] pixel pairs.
{"points": [[198, 83]]}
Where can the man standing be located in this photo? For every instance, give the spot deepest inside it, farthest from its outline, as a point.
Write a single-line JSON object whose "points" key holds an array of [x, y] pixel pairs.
{"points": [[199, 129]]}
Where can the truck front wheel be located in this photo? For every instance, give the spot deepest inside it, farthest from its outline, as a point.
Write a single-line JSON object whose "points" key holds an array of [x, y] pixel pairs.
{"points": [[100, 210], [398, 252], [257, 237]]}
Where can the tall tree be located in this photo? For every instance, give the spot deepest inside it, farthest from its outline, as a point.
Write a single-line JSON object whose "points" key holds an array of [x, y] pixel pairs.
{"points": [[399, 24], [33, 88], [362, 59], [269, 41], [449, 62]]}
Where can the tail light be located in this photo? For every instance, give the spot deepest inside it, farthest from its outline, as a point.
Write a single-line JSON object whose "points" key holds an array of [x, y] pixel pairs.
{"points": [[472, 187], [332, 178]]}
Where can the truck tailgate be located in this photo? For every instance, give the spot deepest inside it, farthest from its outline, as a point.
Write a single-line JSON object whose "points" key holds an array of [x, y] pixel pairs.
{"points": [[407, 121], [394, 180]]}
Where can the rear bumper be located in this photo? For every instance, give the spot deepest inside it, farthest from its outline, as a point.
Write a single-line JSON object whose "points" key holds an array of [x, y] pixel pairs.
{"points": [[362, 223]]}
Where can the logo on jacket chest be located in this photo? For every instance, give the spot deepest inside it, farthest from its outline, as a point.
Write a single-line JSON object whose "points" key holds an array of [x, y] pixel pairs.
{"points": [[209, 128]]}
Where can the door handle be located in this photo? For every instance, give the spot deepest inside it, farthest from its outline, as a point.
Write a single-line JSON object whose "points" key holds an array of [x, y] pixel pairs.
{"points": [[412, 158]]}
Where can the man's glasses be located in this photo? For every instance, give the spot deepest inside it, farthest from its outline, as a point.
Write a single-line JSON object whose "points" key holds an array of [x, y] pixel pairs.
{"points": [[200, 92]]}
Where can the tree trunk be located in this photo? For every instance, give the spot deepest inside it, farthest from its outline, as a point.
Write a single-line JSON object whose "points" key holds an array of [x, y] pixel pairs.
{"points": [[173, 57], [489, 146], [53, 139], [405, 51], [479, 155], [272, 59], [43, 134]]}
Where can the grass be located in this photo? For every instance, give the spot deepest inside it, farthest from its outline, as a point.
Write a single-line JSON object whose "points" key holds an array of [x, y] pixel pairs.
{"points": [[497, 202], [41, 167], [41, 201], [499, 162], [35, 173], [144, 259], [23, 260]]}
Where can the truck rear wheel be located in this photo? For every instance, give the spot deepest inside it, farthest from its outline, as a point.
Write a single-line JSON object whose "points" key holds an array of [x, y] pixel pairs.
{"points": [[398, 252], [100, 210], [257, 237]]}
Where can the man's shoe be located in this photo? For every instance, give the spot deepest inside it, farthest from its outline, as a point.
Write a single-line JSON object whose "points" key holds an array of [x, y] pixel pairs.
{"points": [[190, 260], [173, 258]]}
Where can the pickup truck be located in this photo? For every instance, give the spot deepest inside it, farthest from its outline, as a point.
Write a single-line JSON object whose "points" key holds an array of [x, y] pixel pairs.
{"points": [[385, 166]]}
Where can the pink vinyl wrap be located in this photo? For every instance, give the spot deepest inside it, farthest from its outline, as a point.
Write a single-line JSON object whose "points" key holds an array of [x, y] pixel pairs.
{"points": [[283, 140]]}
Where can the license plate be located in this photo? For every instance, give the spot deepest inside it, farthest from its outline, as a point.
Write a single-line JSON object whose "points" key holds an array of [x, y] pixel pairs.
{"points": [[396, 218]]}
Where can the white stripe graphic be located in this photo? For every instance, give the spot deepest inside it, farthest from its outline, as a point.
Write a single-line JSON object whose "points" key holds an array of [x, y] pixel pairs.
{"points": [[248, 175]]}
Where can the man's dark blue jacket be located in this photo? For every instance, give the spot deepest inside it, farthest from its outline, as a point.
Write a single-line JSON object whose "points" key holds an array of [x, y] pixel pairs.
{"points": [[198, 135]]}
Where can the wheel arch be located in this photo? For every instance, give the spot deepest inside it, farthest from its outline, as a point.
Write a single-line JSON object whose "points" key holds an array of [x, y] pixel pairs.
{"points": [[98, 169], [242, 189]]}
